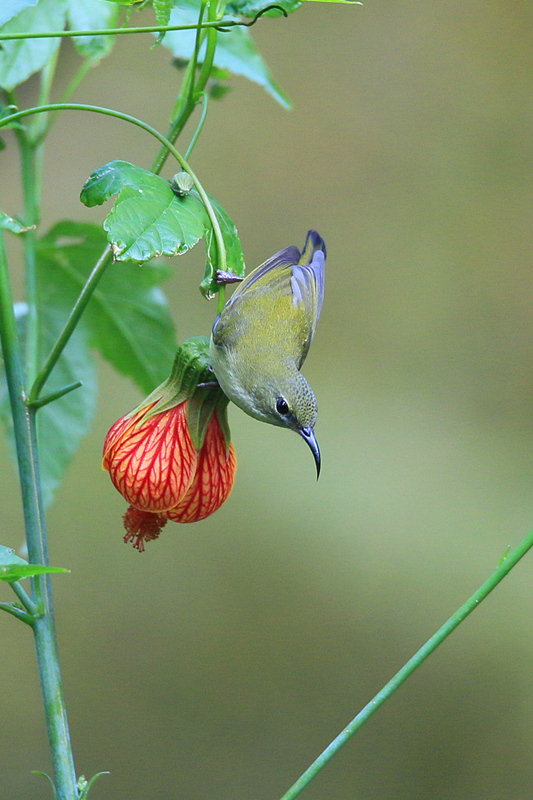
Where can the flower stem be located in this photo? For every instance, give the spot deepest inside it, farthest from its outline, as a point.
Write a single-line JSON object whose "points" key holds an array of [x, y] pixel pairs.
{"points": [[504, 567], [43, 626]]}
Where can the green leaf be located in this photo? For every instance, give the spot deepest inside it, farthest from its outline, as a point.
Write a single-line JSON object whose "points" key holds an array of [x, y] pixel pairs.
{"points": [[251, 8], [162, 9], [84, 787], [234, 254], [8, 556], [20, 58], [86, 15], [44, 775], [10, 8], [148, 219], [109, 180], [13, 225], [236, 50], [11, 573], [14, 568], [127, 318]]}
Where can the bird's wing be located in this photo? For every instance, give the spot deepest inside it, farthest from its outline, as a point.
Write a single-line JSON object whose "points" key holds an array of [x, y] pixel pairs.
{"points": [[289, 272], [307, 280]]}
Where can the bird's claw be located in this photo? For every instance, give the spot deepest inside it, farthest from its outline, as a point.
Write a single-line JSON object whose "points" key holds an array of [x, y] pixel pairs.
{"points": [[224, 278]]}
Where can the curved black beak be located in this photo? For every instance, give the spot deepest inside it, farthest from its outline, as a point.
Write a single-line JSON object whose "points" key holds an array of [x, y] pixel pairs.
{"points": [[309, 435]]}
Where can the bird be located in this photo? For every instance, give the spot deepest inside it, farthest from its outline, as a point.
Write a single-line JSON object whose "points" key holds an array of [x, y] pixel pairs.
{"points": [[263, 334]]}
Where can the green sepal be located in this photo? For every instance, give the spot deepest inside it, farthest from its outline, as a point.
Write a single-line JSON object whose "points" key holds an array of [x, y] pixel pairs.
{"points": [[191, 379], [200, 409], [191, 367]]}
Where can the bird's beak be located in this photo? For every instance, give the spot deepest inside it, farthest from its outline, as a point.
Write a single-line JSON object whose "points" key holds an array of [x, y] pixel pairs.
{"points": [[309, 435]]}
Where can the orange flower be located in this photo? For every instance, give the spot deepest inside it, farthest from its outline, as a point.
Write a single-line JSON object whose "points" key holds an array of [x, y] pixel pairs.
{"points": [[213, 479], [171, 458], [151, 459]]}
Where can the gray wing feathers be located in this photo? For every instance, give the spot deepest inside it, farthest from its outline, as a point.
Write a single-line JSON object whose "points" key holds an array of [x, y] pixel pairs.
{"points": [[308, 275]]}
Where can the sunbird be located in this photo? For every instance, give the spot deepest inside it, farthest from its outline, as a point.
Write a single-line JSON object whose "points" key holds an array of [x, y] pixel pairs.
{"points": [[263, 334]]}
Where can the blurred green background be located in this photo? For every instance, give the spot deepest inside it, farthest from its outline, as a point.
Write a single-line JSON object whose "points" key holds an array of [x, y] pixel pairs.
{"points": [[219, 663]]}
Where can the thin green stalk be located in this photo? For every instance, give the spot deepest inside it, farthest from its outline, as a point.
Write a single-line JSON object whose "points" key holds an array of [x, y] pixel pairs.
{"points": [[192, 88], [31, 148], [205, 72], [31, 218], [68, 329], [194, 59], [31, 607], [230, 23], [198, 127], [18, 613], [43, 626], [505, 566], [49, 398]]}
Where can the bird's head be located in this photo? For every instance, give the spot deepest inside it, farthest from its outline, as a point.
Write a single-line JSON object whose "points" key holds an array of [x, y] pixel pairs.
{"points": [[287, 400]]}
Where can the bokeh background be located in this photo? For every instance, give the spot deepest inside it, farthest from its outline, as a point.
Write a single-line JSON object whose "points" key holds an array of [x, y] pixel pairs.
{"points": [[220, 662]]}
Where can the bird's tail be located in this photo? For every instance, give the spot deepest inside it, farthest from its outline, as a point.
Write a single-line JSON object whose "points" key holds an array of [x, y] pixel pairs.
{"points": [[313, 243]]}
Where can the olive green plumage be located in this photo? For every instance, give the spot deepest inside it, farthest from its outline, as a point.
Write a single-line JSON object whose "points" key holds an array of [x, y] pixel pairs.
{"points": [[263, 334]]}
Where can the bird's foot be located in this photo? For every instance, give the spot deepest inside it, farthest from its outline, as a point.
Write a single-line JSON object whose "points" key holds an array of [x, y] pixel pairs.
{"points": [[225, 278]]}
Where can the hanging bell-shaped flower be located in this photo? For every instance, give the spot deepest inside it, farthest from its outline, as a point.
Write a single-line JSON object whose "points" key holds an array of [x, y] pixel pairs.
{"points": [[171, 457]]}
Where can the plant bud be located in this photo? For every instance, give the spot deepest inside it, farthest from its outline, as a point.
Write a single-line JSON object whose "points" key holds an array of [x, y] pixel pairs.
{"points": [[182, 183]]}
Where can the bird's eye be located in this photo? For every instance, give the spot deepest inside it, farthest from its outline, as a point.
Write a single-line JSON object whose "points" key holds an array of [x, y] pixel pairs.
{"points": [[282, 407]]}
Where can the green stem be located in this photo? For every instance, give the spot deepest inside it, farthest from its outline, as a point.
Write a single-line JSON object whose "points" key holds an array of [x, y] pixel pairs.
{"points": [[31, 607], [198, 127], [31, 147], [68, 329], [230, 23], [211, 45], [192, 88], [18, 613], [31, 219], [43, 627], [194, 59], [504, 567], [49, 398]]}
